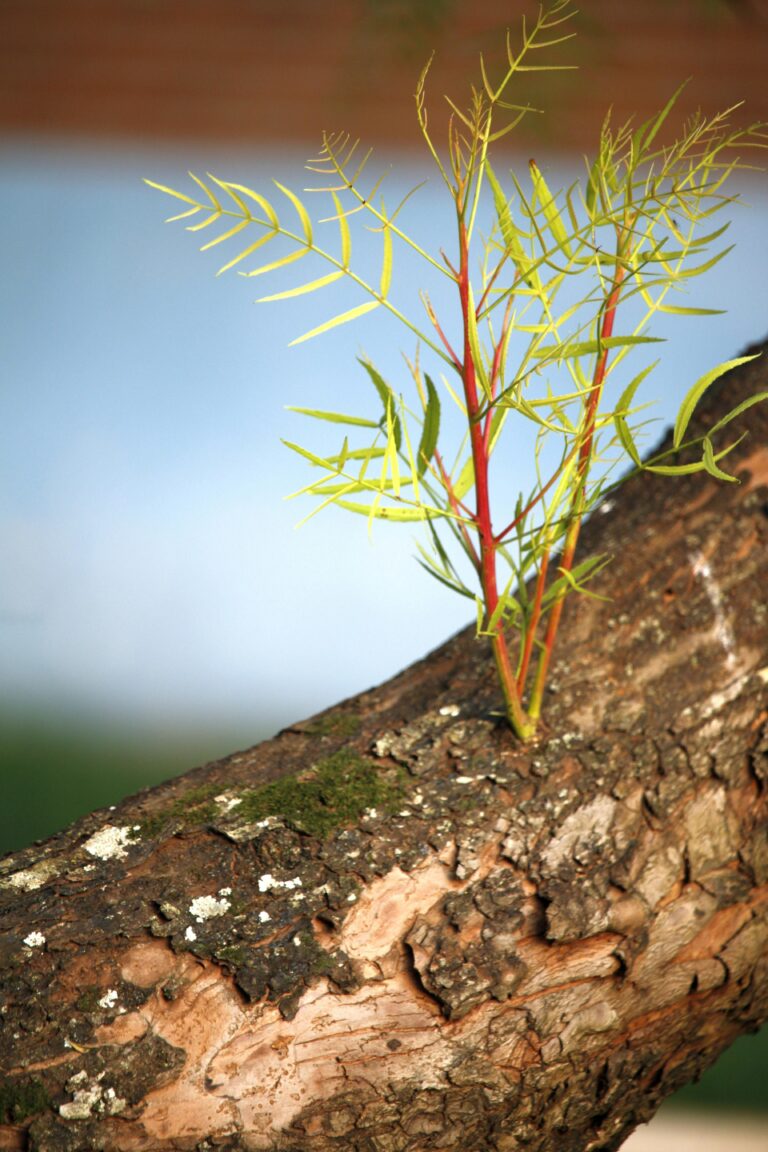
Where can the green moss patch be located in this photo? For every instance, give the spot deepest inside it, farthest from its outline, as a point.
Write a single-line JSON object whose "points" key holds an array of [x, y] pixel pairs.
{"points": [[340, 724], [21, 1099], [194, 808], [337, 792]]}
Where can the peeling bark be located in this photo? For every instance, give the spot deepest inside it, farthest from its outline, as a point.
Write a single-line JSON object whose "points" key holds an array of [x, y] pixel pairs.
{"points": [[392, 928]]}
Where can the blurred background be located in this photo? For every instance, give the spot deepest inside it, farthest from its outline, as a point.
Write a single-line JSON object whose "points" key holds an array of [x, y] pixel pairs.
{"points": [[157, 606]]}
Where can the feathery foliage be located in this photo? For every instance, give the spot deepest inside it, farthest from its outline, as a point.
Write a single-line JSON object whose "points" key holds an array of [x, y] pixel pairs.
{"points": [[556, 269]]}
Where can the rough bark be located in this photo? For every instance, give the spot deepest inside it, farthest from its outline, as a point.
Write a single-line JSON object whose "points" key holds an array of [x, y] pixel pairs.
{"points": [[392, 928]]}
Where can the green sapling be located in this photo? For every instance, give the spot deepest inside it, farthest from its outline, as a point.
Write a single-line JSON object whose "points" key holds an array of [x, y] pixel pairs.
{"points": [[540, 297]]}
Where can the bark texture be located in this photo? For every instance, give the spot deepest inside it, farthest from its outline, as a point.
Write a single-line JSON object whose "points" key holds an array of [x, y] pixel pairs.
{"points": [[393, 929]]}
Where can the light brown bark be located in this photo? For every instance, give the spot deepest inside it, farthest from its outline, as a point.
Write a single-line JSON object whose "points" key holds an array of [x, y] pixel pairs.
{"points": [[431, 937]]}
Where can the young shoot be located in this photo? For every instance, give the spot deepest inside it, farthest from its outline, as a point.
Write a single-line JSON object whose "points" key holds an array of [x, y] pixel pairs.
{"points": [[553, 297]]}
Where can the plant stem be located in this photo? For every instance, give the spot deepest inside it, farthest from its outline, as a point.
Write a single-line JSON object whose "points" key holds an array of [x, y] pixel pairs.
{"points": [[533, 623], [576, 511], [516, 715]]}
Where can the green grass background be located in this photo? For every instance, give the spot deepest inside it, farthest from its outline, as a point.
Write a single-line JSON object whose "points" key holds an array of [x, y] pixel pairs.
{"points": [[55, 769]]}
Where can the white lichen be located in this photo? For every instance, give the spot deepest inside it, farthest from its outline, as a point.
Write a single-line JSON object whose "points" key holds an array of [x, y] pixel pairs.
{"points": [[450, 710], [227, 802], [267, 882], [190, 934], [34, 940], [89, 1098], [264, 916], [110, 842], [29, 879], [109, 999], [723, 630], [206, 907]]}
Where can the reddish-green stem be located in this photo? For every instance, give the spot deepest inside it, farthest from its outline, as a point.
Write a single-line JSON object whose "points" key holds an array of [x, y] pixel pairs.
{"points": [[576, 510], [533, 623], [518, 720]]}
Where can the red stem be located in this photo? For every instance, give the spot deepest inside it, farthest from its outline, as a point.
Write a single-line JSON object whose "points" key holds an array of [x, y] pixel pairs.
{"points": [[533, 624], [577, 502], [487, 570]]}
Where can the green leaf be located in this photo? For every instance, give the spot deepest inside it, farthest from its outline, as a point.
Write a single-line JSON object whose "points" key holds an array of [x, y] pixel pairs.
{"points": [[688, 469], [678, 310], [302, 289], [343, 318], [695, 394], [387, 397], [466, 480], [549, 207], [333, 417], [401, 515], [201, 183], [474, 344], [281, 263], [391, 450], [593, 188], [446, 580], [758, 398], [502, 207], [688, 273], [172, 192], [225, 235], [621, 410], [510, 234], [647, 132], [431, 429], [247, 252], [306, 223], [262, 202], [346, 241], [710, 463], [568, 350], [576, 579], [386, 266]]}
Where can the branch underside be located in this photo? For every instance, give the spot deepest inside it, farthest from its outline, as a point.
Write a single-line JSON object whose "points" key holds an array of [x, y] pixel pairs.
{"points": [[392, 928]]}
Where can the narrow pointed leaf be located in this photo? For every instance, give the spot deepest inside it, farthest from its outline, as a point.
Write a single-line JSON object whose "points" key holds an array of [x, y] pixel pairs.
{"points": [[302, 289], [431, 430], [475, 347], [346, 242], [621, 410], [337, 321], [306, 223], [333, 417], [551, 213], [567, 351], [262, 202], [387, 397], [247, 252], [710, 463], [172, 192], [695, 394], [216, 204], [677, 310], [386, 265], [225, 235], [281, 263], [758, 398], [688, 469]]}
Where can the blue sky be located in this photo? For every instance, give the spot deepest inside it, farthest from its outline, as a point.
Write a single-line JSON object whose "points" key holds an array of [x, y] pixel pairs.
{"points": [[150, 565]]}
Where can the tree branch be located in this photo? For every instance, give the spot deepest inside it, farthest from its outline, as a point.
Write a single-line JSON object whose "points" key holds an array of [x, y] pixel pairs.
{"points": [[393, 928]]}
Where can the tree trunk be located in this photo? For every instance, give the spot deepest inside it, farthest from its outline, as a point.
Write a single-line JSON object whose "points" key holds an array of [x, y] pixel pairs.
{"points": [[392, 928]]}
